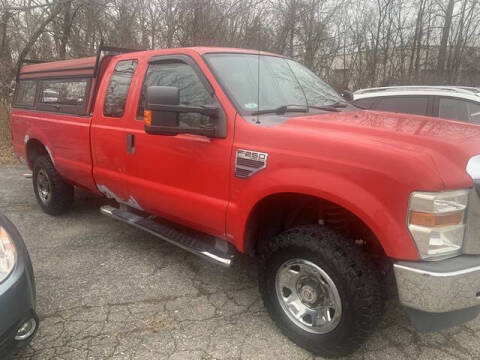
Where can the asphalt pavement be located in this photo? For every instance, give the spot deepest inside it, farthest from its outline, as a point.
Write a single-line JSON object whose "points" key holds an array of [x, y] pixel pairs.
{"points": [[109, 291]]}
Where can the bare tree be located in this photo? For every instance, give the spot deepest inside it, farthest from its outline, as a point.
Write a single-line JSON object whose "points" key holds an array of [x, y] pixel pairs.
{"points": [[351, 43], [445, 34]]}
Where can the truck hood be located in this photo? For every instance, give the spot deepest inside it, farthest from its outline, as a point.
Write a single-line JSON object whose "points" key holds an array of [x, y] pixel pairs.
{"points": [[450, 144]]}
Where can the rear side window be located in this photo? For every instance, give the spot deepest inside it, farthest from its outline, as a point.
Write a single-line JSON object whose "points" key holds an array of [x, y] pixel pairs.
{"points": [[474, 110], [26, 91], [117, 91], [416, 105], [456, 109]]}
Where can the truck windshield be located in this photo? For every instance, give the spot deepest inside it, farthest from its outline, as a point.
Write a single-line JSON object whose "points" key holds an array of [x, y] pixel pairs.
{"points": [[283, 83]]}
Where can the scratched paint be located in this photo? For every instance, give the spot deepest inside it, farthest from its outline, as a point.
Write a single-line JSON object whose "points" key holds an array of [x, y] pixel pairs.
{"points": [[132, 202]]}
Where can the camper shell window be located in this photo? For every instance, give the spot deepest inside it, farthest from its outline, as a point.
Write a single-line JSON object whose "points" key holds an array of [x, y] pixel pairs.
{"points": [[63, 86], [25, 93], [63, 95]]}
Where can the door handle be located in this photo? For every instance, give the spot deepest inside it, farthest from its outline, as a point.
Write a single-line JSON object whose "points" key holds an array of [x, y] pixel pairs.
{"points": [[131, 143]]}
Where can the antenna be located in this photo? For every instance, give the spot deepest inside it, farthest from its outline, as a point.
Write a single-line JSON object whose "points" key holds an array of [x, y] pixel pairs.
{"points": [[258, 71]]}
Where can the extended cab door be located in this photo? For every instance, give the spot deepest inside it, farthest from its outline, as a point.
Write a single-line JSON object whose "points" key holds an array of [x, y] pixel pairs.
{"points": [[109, 139], [184, 178]]}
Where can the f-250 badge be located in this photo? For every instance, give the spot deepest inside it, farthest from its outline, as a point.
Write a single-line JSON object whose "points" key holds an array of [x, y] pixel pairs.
{"points": [[249, 162]]}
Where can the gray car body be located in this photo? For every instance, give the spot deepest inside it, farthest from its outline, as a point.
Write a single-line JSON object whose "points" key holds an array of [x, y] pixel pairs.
{"points": [[17, 293], [372, 98]]}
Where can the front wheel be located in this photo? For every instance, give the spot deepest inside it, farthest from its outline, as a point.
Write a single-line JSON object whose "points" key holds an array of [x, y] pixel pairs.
{"points": [[320, 290]]}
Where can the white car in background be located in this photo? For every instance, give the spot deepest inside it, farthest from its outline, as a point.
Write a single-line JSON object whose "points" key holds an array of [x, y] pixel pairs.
{"points": [[448, 102]]}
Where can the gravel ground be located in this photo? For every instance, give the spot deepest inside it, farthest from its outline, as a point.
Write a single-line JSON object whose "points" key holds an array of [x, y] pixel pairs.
{"points": [[109, 291]]}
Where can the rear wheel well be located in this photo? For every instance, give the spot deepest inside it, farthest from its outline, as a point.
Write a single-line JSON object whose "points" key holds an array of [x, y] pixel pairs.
{"points": [[35, 149], [277, 213]]}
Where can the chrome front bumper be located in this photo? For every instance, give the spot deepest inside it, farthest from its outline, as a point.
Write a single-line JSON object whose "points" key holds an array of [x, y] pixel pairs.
{"points": [[440, 286]]}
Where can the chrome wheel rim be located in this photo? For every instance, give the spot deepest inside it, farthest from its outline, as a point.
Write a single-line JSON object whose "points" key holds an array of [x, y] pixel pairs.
{"points": [[43, 186], [308, 296]]}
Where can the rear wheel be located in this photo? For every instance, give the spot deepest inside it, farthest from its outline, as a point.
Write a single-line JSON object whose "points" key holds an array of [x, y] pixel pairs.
{"points": [[320, 290], [53, 194]]}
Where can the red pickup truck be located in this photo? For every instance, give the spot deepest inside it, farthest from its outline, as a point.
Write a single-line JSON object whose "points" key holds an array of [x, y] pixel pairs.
{"points": [[225, 151]]}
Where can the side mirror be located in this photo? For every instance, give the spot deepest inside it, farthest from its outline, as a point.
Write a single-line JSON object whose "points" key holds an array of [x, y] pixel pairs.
{"points": [[163, 95], [347, 95], [161, 116]]}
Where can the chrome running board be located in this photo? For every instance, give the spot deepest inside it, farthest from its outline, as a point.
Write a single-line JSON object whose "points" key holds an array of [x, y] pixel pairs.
{"points": [[208, 247]]}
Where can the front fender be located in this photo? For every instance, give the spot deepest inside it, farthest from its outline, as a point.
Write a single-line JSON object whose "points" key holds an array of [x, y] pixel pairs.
{"points": [[386, 218]]}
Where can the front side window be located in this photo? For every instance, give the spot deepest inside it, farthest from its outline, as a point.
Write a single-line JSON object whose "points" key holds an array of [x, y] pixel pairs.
{"points": [[260, 82], [182, 76], [416, 105], [26, 90], [63, 92], [365, 102], [117, 91]]}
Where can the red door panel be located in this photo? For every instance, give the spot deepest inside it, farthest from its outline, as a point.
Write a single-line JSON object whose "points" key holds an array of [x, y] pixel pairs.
{"points": [[184, 178], [109, 136]]}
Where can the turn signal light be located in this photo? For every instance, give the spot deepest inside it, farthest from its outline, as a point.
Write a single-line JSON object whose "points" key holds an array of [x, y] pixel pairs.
{"points": [[435, 220], [147, 117]]}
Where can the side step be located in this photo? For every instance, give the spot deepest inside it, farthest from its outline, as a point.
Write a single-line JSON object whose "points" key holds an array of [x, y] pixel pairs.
{"points": [[205, 246]]}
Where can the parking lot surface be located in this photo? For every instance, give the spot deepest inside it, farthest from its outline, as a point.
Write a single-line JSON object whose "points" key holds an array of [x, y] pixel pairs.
{"points": [[109, 291]]}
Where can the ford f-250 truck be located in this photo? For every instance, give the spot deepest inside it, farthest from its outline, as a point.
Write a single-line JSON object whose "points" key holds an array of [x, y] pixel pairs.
{"points": [[225, 151]]}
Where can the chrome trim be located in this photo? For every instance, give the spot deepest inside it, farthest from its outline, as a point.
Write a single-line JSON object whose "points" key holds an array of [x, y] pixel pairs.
{"points": [[473, 167], [110, 211], [437, 291], [471, 241], [215, 258], [438, 274]]}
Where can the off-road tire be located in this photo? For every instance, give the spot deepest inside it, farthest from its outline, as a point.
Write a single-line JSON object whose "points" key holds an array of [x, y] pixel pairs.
{"points": [[62, 193], [356, 279]]}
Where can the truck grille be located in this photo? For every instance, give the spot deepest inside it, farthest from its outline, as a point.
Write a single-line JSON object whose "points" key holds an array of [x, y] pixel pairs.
{"points": [[471, 244]]}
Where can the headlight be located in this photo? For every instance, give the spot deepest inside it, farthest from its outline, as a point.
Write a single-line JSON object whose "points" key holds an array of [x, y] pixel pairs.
{"points": [[437, 222], [8, 254]]}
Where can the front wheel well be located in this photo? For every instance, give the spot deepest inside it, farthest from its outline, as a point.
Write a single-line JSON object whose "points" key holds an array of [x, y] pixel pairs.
{"points": [[280, 212]]}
